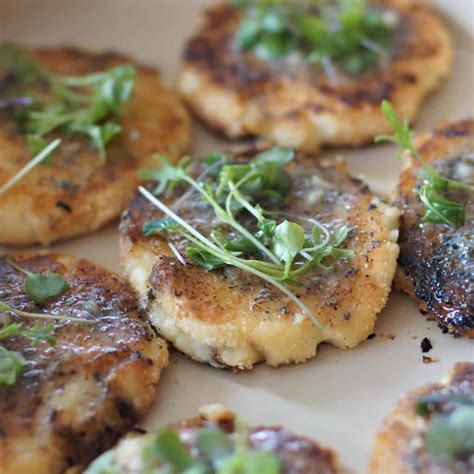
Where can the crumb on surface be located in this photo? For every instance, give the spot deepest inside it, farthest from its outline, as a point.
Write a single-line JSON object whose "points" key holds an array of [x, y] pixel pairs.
{"points": [[429, 360]]}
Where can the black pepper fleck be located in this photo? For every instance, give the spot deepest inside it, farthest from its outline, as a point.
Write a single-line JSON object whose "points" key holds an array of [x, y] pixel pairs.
{"points": [[371, 336]]}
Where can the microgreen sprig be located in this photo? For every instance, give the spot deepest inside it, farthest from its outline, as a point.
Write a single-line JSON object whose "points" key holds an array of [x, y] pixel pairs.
{"points": [[87, 105], [41, 287], [12, 362], [448, 435], [438, 209], [215, 452], [277, 252], [347, 32]]}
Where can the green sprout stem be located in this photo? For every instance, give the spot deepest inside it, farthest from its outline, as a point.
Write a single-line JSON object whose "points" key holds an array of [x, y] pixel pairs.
{"points": [[25, 314]]}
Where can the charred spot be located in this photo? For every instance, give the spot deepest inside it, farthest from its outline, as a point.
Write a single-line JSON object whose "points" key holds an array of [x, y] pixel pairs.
{"points": [[63, 205], [361, 96], [125, 409], [409, 78], [458, 129]]}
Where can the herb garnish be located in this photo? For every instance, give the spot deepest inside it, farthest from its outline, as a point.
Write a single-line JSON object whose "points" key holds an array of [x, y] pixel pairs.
{"points": [[87, 105], [347, 33], [277, 252], [214, 453], [438, 208], [448, 435], [38, 288]]}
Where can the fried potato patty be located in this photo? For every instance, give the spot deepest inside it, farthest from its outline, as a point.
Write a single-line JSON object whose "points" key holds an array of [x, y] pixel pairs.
{"points": [[436, 260], [230, 318], [295, 105], [77, 194], [298, 455], [399, 446], [74, 400]]}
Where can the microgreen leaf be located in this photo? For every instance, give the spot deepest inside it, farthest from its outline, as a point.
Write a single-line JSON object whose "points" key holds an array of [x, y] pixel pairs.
{"points": [[11, 364], [453, 435], [104, 464], [36, 144], [203, 258], [167, 448], [288, 240], [168, 176], [251, 462], [39, 288], [158, 226], [438, 209], [36, 334], [213, 445]]}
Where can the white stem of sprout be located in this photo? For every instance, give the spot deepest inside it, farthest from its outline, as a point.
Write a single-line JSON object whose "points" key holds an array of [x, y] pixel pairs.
{"points": [[176, 252], [30, 165]]}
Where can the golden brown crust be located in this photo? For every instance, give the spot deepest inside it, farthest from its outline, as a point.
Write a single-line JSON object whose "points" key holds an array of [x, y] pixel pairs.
{"points": [[74, 400], [239, 95], [434, 258], [398, 448], [77, 194], [228, 317]]}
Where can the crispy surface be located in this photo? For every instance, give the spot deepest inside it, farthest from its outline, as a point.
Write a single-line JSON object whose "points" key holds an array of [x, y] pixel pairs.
{"points": [[77, 194], [296, 106], [229, 318], [435, 265], [75, 399], [398, 447], [298, 455]]}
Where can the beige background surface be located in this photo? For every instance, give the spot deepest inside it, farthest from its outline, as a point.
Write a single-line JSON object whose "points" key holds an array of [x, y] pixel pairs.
{"points": [[339, 398]]}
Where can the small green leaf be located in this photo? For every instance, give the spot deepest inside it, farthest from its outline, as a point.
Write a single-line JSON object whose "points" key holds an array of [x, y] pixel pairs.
{"points": [[247, 33], [213, 444], [41, 287], [159, 226], [204, 259], [35, 145], [288, 240], [448, 437], [438, 209], [251, 462], [166, 447], [10, 330], [104, 464], [11, 364], [39, 333], [168, 176], [312, 28]]}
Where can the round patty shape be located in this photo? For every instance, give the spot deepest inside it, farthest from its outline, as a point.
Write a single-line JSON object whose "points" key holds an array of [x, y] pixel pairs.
{"points": [[75, 399], [297, 455], [78, 194], [436, 260], [295, 105], [230, 318], [399, 445]]}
